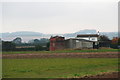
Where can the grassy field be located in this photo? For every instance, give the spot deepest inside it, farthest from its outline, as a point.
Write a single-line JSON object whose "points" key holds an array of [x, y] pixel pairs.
{"points": [[63, 51], [57, 67]]}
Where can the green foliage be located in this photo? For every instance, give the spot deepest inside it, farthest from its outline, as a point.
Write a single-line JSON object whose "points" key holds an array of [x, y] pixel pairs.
{"points": [[104, 38], [119, 41], [42, 41], [57, 67], [8, 46], [115, 46], [40, 48], [104, 41], [48, 45]]}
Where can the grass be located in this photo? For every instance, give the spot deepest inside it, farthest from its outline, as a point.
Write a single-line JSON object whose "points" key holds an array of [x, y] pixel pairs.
{"points": [[62, 51], [57, 67]]}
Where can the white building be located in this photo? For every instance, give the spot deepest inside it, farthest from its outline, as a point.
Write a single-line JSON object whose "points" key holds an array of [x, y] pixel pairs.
{"points": [[90, 37]]}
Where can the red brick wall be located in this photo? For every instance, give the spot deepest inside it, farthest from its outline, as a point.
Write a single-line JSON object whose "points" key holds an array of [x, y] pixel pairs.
{"points": [[56, 43]]}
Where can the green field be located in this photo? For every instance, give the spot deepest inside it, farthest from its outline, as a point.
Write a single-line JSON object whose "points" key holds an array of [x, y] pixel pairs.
{"points": [[57, 67], [63, 51]]}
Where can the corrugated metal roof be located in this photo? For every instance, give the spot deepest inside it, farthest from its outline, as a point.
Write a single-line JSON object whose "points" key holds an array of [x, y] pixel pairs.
{"points": [[79, 39], [88, 35]]}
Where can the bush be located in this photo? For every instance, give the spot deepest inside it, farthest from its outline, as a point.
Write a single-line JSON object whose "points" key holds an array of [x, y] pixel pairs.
{"points": [[40, 48], [8, 46]]}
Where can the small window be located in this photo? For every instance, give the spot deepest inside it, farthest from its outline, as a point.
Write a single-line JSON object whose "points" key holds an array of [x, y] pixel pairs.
{"points": [[93, 38]]}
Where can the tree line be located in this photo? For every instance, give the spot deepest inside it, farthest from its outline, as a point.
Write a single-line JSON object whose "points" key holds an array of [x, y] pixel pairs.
{"points": [[44, 44], [33, 45]]}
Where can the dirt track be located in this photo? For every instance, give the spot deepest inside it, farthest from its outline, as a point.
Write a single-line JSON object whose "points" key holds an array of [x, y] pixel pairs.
{"points": [[104, 76], [62, 55]]}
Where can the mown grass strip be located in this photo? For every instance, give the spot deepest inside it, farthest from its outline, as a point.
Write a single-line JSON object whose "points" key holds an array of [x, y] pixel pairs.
{"points": [[62, 51], [57, 67]]}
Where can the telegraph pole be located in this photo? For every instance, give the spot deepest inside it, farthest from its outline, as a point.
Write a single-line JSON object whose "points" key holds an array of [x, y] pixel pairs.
{"points": [[98, 39]]}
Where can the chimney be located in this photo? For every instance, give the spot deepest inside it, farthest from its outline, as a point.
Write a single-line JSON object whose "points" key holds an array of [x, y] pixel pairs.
{"points": [[98, 33]]}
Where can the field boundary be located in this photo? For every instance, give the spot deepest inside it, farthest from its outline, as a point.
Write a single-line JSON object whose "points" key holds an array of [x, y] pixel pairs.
{"points": [[62, 55]]}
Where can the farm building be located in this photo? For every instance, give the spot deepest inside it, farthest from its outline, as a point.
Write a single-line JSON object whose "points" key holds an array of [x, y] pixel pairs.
{"points": [[57, 43], [80, 42], [90, 37]]}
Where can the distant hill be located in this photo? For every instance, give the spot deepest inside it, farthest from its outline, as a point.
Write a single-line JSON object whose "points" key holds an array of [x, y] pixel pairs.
{"points": [[110, 34], [86, 31], [22, 33], [28, 35], [92, 31]]}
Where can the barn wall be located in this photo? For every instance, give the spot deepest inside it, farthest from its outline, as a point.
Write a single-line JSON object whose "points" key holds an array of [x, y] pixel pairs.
{"points": [[58, 43], [73, 44]]}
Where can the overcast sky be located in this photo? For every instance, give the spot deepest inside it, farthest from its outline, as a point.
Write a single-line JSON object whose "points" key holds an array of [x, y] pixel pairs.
{"points": [[60, 17]]}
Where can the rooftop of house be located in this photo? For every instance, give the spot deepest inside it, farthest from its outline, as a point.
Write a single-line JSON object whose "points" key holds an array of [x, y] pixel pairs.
{"points": [[78, 39], [57, 37], [87, 35]]}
